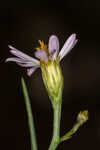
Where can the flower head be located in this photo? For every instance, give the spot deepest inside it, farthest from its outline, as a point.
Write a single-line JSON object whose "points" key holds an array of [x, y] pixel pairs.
{"points": [[43, 54], [48, 58]]}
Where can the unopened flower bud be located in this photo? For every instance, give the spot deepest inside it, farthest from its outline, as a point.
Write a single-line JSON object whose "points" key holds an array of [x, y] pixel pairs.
{"points": [[82, 116]]}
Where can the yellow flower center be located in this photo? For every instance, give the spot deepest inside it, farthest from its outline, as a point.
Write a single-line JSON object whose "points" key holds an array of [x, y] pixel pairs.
{"points": [[43, 47]]}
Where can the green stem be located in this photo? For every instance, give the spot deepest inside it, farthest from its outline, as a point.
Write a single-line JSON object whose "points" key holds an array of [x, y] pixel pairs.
{"points": [[56, 126], [81, 119], [30, 116], [71, 132]]}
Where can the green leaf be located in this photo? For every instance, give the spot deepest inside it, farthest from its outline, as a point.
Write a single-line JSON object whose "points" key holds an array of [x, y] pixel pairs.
{"points": [[30, 116]]}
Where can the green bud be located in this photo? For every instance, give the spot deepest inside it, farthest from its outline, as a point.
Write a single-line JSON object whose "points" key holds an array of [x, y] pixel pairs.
{"points": [[53, 79], [82, 116]]}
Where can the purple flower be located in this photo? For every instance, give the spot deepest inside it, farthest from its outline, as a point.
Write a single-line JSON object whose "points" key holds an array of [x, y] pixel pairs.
{"points": [[43, 54]]}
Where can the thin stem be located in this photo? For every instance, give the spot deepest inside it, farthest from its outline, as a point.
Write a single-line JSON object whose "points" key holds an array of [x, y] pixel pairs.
{"points": [[81, 119], [56, 126], [30, 116], [71, 132]]}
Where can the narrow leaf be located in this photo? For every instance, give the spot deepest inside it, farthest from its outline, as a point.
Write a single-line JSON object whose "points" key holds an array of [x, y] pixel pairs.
{"points": [[30, 116]]}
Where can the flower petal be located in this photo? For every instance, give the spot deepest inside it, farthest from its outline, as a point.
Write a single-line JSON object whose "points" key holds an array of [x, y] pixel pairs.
{"points": [[69, 44], [23, 56], [31, 70], [21, 62], [42, 55], [25, 64], [53, 46], [14, 59]]}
